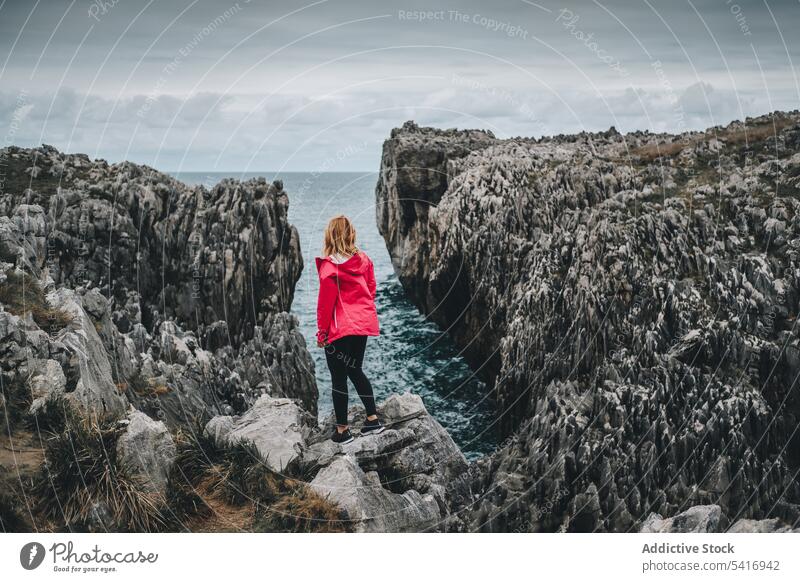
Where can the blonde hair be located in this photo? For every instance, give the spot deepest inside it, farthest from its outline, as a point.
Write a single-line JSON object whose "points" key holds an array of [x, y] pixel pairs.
{"points": [[340, 237]]}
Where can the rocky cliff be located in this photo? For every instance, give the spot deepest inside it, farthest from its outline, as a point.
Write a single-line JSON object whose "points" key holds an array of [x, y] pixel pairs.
{"points": [[176, 294], [152, 378], [632, 301], [218, 261]]}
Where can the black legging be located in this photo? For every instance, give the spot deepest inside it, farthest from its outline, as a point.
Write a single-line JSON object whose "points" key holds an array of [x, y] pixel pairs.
{"points": [[345, 357]]}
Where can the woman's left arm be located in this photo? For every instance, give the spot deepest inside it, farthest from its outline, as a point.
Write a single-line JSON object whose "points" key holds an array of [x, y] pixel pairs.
{"points": [[328, 289]]}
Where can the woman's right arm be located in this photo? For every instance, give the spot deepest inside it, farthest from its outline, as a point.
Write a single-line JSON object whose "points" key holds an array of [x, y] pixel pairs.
{"points": [[371, 279]]}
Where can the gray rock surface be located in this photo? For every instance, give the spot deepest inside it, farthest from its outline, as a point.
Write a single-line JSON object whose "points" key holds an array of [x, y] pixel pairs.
{"points": [[186, 288], [414, 460], [23, 237], [47, 382], [761, 526], [146, 448], [710, 519], [187, 253], [373, 507], [403, 479], [275, 362], [698, 519], [275, 426], [95, 392], [414, 175], [630, 300]]}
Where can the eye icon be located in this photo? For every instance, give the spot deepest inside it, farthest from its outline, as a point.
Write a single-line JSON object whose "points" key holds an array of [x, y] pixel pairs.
{"points": [[31, 555]]}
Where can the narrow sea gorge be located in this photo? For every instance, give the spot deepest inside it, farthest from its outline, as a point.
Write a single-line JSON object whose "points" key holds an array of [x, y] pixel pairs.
{"points": [[411, 354]]}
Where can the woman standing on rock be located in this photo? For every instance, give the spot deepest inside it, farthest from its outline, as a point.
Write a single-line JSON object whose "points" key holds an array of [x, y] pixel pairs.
{"points": [[346, 315]]}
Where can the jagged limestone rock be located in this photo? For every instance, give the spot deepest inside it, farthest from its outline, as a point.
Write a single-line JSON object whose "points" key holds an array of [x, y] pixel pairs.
{"points": [[47, 382], [630, 300], [146, 448], [95, 394], [369, 504], [275, 362], [275, 426], [23, 237], [191, 254], [204, 277], [178, 299], [414, 454]]}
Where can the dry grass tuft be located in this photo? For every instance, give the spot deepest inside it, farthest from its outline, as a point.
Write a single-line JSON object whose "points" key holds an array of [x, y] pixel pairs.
{"points": [[303, 511], [216, 489], [653, 151], [15, 400], [755, 133], [21, 294], [210, 488], [81, 472]]}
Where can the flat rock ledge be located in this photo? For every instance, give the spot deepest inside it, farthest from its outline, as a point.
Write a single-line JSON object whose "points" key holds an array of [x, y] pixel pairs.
{"points": [[275, 426], [397, 481]]}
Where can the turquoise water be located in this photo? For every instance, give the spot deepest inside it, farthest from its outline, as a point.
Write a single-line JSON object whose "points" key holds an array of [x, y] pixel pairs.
{"points": [[411, 353]]}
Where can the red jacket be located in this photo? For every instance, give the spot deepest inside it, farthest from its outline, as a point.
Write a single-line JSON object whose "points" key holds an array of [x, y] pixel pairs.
{"points": [[346, 304]]}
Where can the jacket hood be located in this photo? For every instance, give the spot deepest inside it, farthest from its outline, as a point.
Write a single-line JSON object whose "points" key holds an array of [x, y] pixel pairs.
{"points": [[355, 265]]}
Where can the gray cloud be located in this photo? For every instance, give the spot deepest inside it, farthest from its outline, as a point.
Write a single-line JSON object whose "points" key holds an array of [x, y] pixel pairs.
{"points": [[207, 85]]}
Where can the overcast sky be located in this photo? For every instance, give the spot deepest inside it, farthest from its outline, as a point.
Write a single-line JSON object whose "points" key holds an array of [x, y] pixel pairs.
{"points": [[196, 85]]}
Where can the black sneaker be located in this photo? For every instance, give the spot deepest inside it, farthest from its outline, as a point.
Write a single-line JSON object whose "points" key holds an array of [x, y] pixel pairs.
{"points": [[372, 427], [342, 438]]}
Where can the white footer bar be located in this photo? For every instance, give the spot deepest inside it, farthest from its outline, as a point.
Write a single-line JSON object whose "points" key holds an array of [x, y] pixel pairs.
{"points": [[400, 557]]}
